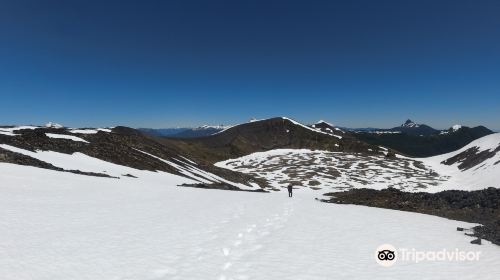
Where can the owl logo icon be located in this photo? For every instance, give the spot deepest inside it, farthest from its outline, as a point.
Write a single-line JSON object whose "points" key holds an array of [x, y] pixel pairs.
{"points": [[386, 255]]}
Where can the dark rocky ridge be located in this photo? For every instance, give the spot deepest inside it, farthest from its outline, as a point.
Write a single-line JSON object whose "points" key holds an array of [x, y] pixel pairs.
{"points": [[275, 133], [481, 206]]}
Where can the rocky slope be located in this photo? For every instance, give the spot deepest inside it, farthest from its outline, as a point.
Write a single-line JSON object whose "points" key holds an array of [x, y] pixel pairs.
{"points": [[58, 148]]}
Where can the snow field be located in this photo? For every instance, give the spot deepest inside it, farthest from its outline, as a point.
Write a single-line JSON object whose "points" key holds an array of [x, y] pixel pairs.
{"points": [[57, 225]]}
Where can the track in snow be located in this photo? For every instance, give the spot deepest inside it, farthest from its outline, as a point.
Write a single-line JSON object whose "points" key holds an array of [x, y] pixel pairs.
{"points": [[58, 226]]}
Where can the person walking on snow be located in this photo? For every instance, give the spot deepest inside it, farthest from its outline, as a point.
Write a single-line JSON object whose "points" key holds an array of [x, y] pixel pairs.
{"points": [[290, 190]]}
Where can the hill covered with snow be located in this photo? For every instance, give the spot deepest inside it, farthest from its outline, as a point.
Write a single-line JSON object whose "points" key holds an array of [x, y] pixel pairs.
{"points": [[474, 166]]}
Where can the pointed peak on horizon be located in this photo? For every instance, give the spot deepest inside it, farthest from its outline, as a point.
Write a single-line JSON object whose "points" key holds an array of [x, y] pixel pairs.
{"points": [[410, 123]]}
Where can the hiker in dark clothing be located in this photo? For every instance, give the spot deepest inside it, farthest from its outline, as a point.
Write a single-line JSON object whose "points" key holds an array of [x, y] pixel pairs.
{"points": [[290, 190]]}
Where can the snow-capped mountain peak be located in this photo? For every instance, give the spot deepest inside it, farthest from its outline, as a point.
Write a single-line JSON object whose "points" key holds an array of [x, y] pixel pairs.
{"points": [[53, 125], [456, 127], [410, 123]]}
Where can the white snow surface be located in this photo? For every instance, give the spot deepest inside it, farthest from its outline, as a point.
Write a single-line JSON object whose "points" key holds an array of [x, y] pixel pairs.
{"points": [[10, 131], [89, 130], [335, 171], [486, 174], [64, 136], [59, 226], [456, 127]]}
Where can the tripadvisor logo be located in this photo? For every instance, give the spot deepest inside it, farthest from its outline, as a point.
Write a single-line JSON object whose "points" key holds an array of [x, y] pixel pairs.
{"points": [[387, 255]]}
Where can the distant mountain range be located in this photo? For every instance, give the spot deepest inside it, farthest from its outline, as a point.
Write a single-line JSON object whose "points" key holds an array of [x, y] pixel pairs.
{"points": [[184, 132], [421, 140], [409, 127], [410, 138]]}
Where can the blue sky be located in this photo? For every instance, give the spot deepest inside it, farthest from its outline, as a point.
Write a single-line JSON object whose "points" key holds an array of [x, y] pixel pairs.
{"points": [[187, 63]]}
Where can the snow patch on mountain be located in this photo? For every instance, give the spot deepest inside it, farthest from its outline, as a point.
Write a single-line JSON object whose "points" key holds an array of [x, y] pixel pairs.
{"points": [[8, 133], [310, 128], [323, 121], [89, 130], [214, 126], [64, 136], [15, 128], [53, 125], [456, 127]]}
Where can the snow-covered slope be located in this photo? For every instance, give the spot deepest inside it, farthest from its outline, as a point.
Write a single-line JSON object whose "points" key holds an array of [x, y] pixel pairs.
{"points": [[59, 226], [475, 166], [335, 171]]}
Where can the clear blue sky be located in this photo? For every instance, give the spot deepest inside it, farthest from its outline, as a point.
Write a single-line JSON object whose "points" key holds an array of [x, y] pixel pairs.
{"points": [[186, 63]]}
